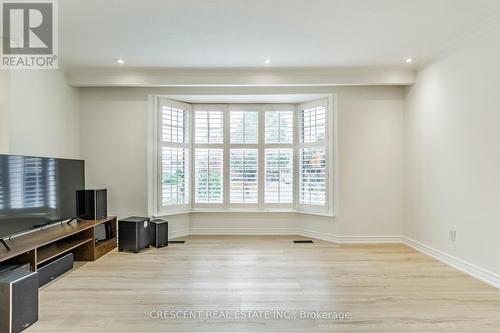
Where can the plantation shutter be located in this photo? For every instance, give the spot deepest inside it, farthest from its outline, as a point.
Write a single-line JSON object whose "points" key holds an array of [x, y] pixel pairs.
{"points": [[174, 153], [279, 176], [209, 127], [313, 155], [243, 175], [209, 175]]}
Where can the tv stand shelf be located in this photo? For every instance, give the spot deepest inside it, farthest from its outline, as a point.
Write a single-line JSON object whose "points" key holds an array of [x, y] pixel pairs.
{"points": [[38, 247], [51, 251]]}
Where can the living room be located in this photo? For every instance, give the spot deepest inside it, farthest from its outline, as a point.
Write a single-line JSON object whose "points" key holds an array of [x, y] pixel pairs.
{"points": [[257, 166]]}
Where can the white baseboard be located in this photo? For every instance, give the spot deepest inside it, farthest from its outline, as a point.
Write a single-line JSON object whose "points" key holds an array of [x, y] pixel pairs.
{"points": [[297, 232], [318, 235], [243, 231], [351, 239], [477, 272], [178, 233], [369, 239]]}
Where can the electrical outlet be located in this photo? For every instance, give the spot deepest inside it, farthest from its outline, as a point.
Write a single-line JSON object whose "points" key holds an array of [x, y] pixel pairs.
{"points": [[453, 235]]}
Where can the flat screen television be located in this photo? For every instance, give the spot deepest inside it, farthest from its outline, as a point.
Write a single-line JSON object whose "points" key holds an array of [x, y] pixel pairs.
{"points": [[36, 191]]}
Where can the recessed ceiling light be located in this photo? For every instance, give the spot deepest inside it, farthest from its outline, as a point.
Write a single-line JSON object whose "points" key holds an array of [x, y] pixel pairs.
{"points": [[409, 60], [268, 61], [120, 61]]}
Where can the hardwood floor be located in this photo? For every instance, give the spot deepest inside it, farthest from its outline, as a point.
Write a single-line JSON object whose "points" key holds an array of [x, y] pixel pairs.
{"points": [[385, 288]]}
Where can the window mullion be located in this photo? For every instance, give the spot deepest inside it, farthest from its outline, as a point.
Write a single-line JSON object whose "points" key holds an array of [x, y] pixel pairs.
{"points": [[296, 168], [261, 172], [192, 147], [226, 156]]}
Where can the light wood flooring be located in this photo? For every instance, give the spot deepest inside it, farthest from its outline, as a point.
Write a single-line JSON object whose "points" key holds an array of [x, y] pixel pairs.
{"points": [[386, 288]]}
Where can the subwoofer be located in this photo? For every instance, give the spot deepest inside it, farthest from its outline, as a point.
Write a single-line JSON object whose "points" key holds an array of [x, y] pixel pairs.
{"points": [[91, 204], [158, 233], [133, 233], [18, 300]]}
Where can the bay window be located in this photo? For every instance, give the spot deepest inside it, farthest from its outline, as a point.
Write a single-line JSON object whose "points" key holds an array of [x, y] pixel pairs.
{"points": [[244, 157]]}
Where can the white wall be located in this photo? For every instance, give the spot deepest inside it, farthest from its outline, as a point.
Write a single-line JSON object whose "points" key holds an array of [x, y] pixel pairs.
{"points": [[370, 125], [244, 223], [4, 110], [452, 152], [114, 147], [43, 117], [114, 143]]}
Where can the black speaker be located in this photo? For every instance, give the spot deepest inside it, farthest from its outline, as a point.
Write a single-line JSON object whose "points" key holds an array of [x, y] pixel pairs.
{"points": [[91, 204], [133, 233], [159, 233], [4, 269], [55, 268], [18, 300]]}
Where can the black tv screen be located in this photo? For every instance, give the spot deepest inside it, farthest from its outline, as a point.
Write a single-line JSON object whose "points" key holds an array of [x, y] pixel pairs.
{"points": [[35, 191]]}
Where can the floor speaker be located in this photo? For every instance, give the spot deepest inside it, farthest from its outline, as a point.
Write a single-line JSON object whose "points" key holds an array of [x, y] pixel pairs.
{"points": [[159, 233], [18, 300], [91, 204]]}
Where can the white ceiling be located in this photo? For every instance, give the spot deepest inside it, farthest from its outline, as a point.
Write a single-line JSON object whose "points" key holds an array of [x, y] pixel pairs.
{"points": [[243, 33]]}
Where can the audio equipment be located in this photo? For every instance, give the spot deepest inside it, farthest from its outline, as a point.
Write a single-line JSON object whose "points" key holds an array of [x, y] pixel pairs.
{"points": [[133, 233], [55, 268], [91, 204], [18, 300], [8, 268], [159, 233]]}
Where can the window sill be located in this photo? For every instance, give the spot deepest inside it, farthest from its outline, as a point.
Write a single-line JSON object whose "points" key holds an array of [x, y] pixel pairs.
{"points": [[246, 211], [315, 213], [242, 210], [164, 214]]}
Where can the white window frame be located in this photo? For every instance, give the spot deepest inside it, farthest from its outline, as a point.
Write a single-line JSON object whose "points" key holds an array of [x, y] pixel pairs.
{"points": [[159, 209], [223, 146], [281, 107], [255, 108], [331, 142]]}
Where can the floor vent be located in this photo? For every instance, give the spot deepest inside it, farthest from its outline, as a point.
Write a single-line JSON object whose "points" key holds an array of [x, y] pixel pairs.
{"points": [[303, 241], [176, 242]]}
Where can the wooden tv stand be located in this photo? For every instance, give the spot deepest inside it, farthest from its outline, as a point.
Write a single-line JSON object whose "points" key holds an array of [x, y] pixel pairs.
{"points": [[40, 246]]}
